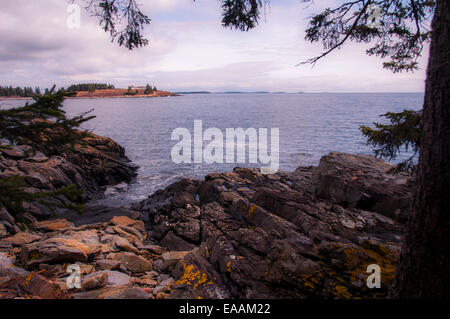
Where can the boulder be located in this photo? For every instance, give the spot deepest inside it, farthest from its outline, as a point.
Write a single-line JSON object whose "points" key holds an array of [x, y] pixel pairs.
{"points": [[116, 278], [171, 258], [107, 264], [94, 281], [155, 249], [119, 243], [68, 248], [53, 225], [22, 238], [97, 214], [132, 262], [364, 182], [39, 286], [279, 235], [126, 221], [174, 242]]}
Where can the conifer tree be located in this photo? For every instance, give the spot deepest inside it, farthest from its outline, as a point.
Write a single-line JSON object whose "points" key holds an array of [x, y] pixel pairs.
{"points": [[148, 89]]}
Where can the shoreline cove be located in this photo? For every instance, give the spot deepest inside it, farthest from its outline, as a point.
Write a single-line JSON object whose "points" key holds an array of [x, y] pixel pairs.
{"points": [[186, 240]]}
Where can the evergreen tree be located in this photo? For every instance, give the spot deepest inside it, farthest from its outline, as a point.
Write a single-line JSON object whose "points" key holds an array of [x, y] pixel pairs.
{"points": [[111, 14], [19, 91], [130, 91], [16, 124], [403, 132], [148, 89], [44, 126], [89, 86]]}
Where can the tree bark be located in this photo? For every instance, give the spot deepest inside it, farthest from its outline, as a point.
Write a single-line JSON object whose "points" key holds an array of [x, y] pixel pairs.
{"points": [[424, 268]]}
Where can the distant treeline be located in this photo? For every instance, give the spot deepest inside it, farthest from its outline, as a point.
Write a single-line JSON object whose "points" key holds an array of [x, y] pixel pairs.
{"points": [[29, 91], [19, 91], [89, 87]]}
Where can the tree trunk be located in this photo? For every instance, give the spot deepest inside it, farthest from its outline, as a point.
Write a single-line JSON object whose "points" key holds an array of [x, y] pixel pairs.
{"points": [[424, 268]]}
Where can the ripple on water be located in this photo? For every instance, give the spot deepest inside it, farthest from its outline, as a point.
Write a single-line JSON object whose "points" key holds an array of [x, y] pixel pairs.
{"points": [[311, 125]]}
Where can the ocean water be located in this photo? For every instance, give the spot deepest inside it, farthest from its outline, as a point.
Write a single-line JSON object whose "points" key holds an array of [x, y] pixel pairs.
{"points": [[310, 126]]}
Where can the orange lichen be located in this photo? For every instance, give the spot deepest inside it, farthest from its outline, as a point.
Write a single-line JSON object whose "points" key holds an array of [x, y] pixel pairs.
{"points": [[250, 211], [30, 276], [193, 277], [228, 267], [341, 292]]}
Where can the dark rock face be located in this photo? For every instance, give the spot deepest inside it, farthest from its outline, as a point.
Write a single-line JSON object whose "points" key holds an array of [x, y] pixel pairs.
{"points": [[362, 181], [94, 163], [98, 162], [97, 214], [102, 162], [287, 235], [174, 215]]}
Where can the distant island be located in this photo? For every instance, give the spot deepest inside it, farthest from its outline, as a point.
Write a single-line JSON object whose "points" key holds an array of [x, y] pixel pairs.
{"points": [[122, 93], [87, 90], [103, 90], [194, 92]]}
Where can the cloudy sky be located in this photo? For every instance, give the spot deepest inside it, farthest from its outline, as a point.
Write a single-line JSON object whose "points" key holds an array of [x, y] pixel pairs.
{"points": [[189, 50]]}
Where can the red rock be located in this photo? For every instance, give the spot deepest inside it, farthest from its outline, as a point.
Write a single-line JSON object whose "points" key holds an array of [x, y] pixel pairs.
{"points": [[53, 225], [126, 221], [21, 238], [94, 281], [132, 262], [63, 249], [38, 285]]}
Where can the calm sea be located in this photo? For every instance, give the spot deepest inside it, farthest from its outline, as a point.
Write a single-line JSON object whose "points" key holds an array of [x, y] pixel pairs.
{"points": [[310, 126]]}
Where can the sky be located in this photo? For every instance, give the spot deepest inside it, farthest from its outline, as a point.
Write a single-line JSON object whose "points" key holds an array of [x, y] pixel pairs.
{"points": [[189, 51]]}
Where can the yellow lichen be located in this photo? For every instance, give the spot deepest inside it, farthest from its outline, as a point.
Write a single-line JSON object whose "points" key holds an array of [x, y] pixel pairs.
{"points": [[251, 210], [341, 292], [193, 277], [340, 282], [228, 267], [34, 255]]}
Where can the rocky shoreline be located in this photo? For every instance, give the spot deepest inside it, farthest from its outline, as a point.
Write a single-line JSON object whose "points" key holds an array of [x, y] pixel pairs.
{"points": [[310, 233]]}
